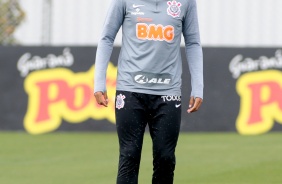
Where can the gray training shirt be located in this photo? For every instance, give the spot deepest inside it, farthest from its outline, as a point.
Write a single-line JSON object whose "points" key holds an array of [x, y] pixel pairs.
{"points": [[150, 59]]}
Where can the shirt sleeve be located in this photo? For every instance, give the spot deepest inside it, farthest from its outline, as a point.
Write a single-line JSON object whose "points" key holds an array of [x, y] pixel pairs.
{"points": [[113, 22], [193, 49]]}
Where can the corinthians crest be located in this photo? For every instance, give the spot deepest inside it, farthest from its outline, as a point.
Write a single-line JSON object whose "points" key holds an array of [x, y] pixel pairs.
{"points": [[120, 101], [174, 8]]}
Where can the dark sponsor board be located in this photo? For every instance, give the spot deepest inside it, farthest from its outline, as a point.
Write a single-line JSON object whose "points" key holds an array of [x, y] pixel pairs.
{"points": [[46, 89]]}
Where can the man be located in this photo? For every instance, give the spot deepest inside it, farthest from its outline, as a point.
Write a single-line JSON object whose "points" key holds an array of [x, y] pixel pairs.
{"points": [[149, 79]]}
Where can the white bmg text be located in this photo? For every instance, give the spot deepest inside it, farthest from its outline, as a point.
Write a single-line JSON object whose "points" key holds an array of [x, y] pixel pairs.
{"points": [[28, 63]]}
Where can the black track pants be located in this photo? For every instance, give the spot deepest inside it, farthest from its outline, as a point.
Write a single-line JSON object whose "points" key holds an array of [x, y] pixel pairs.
{"points": [[163, 115]]}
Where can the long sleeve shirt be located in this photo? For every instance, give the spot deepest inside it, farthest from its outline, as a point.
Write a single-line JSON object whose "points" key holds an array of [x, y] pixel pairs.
{"points": [[150, 58]]}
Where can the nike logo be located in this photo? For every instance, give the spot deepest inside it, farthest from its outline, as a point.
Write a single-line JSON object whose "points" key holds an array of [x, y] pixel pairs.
{"points": [[136, 6], [177, 105]]}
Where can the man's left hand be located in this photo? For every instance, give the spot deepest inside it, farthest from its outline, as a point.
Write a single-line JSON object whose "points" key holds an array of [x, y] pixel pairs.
{"points": [[194, 104]]}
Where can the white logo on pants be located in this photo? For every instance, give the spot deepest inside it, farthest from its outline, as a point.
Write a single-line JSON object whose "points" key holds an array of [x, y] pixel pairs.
{"points": [[171, 98], [120, 101]]}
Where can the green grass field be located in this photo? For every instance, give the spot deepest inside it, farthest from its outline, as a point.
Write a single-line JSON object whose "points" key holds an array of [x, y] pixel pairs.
{"points": [[91, 158]]}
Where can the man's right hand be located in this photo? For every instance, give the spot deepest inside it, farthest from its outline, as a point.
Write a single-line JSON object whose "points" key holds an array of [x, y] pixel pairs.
{"points": [[101, 98]]}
